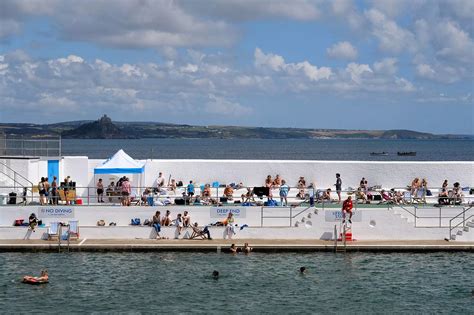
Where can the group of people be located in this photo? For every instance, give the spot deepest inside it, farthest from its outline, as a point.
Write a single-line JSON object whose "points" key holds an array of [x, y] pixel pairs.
{"points": [[181, 221], [246, 249], [49, 192], [122, 189]]}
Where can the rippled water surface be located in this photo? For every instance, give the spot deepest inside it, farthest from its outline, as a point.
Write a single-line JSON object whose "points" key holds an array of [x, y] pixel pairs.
{"points": [[258, 283]]}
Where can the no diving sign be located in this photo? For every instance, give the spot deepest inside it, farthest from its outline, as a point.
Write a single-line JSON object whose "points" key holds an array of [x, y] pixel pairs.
{"points": [[56, 212]]}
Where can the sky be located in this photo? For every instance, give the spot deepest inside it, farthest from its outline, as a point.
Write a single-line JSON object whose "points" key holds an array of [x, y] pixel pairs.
{"points": [[342, 64]]}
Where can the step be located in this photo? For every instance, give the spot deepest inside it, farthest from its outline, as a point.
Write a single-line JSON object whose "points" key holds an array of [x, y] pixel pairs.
{"points": [[459, 232], [470, 224], [466, 229], [453, 237]]}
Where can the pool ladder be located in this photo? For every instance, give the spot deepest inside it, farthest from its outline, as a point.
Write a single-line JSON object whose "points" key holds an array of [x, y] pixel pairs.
{"points": [[340, 248], [60, 234]]}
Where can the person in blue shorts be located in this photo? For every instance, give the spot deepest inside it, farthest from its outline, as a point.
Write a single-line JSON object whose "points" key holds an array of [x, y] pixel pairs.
{"points": [[284, 189], [190, 191]]}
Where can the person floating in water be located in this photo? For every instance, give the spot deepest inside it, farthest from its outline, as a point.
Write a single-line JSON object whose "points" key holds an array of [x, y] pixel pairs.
{"points": [[302, 270], [215, 274], [44, 278], [347, 209]]}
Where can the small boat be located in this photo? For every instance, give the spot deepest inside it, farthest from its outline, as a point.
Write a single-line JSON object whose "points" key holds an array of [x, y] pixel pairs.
{"points": [[406, 153], [378, 153]]}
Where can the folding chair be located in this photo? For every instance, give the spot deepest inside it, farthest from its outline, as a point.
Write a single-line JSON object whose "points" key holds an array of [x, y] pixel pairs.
{"points": [[197, 233], [73, 232], [53, 231]]}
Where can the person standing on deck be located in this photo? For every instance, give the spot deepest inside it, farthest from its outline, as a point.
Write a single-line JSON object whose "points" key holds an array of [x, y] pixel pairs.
{"points": [[126, 191], [347, 208], [338, 186]]}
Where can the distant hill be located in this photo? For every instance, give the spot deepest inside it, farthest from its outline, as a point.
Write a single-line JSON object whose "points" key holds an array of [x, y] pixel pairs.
{"points": [[100, 129], [104, 128]]}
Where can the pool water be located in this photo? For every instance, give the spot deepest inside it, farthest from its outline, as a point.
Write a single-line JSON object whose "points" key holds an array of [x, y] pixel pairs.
{"points": [[168, 282]]}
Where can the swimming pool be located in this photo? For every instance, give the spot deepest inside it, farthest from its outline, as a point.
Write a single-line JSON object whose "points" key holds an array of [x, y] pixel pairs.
{"points": [[259, 283]]}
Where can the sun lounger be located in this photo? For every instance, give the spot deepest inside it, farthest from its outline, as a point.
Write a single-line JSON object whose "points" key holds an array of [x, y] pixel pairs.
{"points": [[73, 230], [197, 233]]}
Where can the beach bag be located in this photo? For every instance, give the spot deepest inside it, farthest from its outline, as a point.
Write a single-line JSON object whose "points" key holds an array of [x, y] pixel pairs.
{"points": [[101, 223], [428, 192], [135, 221], [147, 222], [18, 222]]}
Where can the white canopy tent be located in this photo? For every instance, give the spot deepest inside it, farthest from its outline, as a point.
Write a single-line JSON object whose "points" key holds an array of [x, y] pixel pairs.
{"points": [[121, 163]]}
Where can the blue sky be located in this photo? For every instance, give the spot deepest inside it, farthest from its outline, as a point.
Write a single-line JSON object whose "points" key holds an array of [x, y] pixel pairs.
{"points": [[385, 64]]}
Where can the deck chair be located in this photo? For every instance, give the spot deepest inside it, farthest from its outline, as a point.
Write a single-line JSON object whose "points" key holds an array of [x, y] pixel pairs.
{"points": [[73, 230], [53, 231], [197, 233]]}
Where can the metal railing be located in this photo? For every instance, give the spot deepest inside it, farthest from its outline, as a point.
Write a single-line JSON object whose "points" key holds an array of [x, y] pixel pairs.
{"points": [[463, 221], [29, 147]]}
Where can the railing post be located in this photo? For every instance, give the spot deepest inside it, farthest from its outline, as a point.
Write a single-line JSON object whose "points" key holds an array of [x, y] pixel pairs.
{"points": [[335, 237], [439, 216], [261, 216], [291, 216], [59, 237], [88, 197]]}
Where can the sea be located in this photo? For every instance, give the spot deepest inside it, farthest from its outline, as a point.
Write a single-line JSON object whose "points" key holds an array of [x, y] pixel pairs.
{"points": [[258, 283], [275, 149]]}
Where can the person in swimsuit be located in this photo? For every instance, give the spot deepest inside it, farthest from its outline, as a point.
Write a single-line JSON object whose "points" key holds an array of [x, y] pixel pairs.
{"points": [[246, 249], [157, 224], [100, 191], [42, 278], [166, 221], [233, 249]]}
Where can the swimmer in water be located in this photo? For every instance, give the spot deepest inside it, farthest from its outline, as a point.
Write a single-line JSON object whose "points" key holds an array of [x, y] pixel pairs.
{"points": [[233, 249], [215, 274], [43, 278], [302, 270], [246, 249]]}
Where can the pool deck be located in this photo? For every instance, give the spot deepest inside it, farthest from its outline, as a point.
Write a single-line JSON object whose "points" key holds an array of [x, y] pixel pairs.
{"points": [[217, 245]]}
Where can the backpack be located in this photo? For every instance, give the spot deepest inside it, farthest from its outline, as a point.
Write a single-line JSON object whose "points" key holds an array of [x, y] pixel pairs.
{"points": [[135, 221]]}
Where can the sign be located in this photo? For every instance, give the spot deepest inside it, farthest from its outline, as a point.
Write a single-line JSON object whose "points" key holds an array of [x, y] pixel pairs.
{"points": [[55, 212], [222, 212], [336, 216]]}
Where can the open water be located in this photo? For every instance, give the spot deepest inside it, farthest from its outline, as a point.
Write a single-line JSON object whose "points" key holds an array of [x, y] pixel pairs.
{"points": [[180, 283], [275, 149]]}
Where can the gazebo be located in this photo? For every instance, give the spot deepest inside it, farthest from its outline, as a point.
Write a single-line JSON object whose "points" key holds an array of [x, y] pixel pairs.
{"points": [[121, 163]]}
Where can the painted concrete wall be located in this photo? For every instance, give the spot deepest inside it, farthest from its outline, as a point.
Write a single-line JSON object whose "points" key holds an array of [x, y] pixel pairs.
{"points": [[253, 173], [374, 224]]}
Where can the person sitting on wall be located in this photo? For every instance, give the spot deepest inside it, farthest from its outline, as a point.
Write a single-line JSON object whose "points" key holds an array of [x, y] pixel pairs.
{"points": [[160, 183], [347, 209], [457, 194], [229, 192], [32, 221], [326, 195], [360, 194], [186, 219], [443, 195], [178, 222], [248, 196], [157, 224], [166, 220], [301, 188], [172, 186], [229, 223]]}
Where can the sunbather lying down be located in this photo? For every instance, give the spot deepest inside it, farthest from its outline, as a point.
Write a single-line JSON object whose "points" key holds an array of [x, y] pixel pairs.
{"points": [[37, 280]]}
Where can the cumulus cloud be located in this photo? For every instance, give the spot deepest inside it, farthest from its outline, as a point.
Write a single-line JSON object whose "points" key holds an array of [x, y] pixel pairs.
{"points": [[342, 50], [277, 63], [392, 38], [386, 66], [221, 106]]}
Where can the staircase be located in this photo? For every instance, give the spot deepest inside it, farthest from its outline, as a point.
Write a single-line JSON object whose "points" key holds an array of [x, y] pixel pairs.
{"points": [[11, 180], [461, 225]]}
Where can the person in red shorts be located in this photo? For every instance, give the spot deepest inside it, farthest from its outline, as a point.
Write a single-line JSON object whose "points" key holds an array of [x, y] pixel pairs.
{"points": [[347, 208]]}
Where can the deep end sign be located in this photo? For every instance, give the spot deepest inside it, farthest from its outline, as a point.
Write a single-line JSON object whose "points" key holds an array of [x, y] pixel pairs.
{"points": [[222, 212], [55, 212]]}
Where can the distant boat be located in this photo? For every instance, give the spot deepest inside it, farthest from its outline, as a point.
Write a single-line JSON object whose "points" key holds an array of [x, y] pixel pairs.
{"points": [[379, 153], [406, 153]]}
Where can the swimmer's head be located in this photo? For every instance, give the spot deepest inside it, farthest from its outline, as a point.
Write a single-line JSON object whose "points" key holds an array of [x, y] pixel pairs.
{"points": [[215, 274], [44, 272], [302, 269]]}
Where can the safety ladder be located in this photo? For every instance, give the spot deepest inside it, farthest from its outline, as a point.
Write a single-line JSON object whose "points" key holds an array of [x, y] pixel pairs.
{"points": [[344, 236], [60, 235]]}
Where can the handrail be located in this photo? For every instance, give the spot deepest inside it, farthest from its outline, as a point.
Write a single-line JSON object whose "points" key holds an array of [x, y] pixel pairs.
{"points": [[15, 173], [463, 213]]}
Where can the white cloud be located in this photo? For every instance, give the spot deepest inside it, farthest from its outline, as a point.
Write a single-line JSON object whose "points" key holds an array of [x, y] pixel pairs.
{"points": [[386, 66], [357, 71], [220, 106], [342, 50], [277, 63], [392, 38]]}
